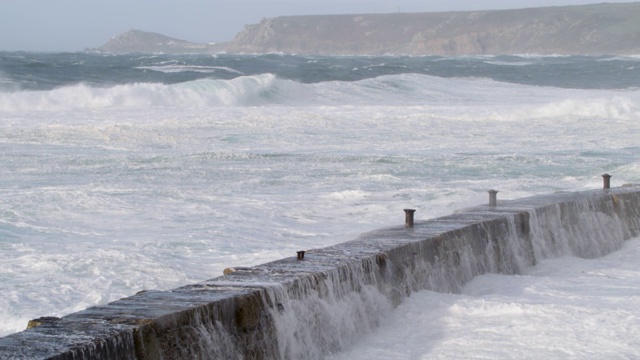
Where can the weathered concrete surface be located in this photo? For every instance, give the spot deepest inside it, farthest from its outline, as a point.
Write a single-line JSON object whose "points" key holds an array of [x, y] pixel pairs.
{"points": [[284, 309]]}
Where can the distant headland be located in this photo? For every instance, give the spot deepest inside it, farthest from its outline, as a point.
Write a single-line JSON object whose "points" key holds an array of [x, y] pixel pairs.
{"points": [[612, 29]]}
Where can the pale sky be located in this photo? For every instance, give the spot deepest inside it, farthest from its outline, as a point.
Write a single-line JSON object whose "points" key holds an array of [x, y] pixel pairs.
{"points": [[73, 25]]}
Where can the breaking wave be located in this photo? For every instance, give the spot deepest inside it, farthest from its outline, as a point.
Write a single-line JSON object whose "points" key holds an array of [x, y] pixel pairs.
{"points": [[481, 94]]}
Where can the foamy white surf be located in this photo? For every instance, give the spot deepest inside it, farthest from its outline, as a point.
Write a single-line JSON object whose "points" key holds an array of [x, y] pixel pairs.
{"points": [[565, 308], [109, 191]]}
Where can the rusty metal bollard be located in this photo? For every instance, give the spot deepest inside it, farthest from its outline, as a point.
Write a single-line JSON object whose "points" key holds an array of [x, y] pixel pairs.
{"points": [[408, 217], [606, 181], [493, 197]]}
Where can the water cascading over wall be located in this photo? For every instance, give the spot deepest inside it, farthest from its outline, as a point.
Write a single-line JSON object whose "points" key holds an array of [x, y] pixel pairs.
{"points": [[306, 308]]}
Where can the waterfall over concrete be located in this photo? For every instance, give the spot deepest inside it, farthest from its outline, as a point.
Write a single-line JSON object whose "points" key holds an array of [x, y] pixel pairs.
{"points": [[308, 306]]}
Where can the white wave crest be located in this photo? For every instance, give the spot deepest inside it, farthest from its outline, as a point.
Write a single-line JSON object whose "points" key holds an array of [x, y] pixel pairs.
{"points": [[615, 107], [453, 95], [244, 90], [172, 68]]}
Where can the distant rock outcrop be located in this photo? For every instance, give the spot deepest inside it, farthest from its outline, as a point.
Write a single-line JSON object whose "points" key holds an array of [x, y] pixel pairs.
{"points": [[588, 29], [149, 42], [567, 30]]}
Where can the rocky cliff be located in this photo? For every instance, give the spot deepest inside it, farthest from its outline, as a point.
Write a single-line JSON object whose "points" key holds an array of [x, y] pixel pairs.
{"points": [[566, 30], [589, 29]]}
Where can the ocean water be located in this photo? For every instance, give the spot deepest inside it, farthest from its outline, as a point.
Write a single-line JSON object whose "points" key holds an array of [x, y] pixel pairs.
{"points": [[122, 173], [565, 308]]}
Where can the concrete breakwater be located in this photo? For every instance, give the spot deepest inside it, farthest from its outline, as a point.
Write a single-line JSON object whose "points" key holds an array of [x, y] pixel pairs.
{"points": [[308, 305]]}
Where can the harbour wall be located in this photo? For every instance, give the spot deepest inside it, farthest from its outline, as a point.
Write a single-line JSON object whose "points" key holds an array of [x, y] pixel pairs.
{"points": [[320, 301]]}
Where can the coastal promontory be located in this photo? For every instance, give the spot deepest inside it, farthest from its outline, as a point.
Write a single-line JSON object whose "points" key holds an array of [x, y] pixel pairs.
{"points": [[564, 30], [149, 42]]}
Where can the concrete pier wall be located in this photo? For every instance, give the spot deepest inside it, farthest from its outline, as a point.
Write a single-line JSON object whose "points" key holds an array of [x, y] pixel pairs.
{"points": [[304, 308]]}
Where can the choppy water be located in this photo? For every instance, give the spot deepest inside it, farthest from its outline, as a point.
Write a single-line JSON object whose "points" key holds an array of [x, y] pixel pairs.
{"points": [[129, 172]]}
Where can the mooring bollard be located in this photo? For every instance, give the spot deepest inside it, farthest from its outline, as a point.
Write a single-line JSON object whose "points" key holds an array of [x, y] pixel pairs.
{"points": [[607, 181], [300, 255], [493, 197], [408, 217]]}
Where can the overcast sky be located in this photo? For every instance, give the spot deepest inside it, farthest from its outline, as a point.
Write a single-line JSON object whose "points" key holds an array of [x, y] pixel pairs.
{"points": [[73, 25]]}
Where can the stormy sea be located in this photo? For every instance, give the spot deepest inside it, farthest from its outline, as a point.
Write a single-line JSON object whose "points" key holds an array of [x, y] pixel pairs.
{"points": [[122, 173]]}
